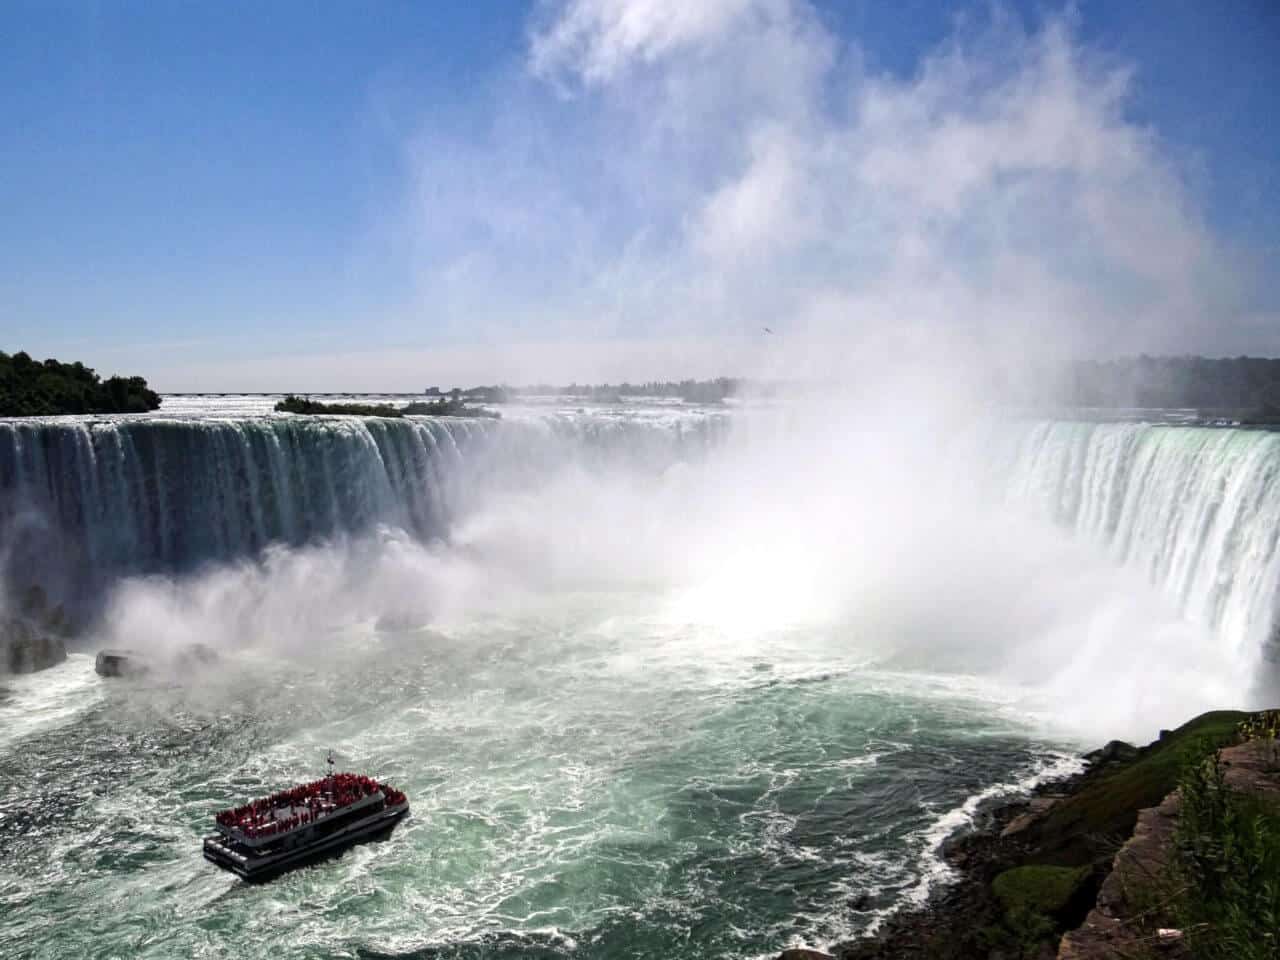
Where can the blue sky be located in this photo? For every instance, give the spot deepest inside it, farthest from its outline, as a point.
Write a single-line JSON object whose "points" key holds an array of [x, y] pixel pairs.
{"points": [[289, 195]]}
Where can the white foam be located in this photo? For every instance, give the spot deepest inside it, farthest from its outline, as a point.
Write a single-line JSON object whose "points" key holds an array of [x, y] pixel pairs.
{"points": [[934, 868], [43, 701]]}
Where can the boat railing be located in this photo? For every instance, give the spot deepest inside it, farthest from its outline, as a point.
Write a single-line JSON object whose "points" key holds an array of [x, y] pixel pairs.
{"points": [[270, 819]]}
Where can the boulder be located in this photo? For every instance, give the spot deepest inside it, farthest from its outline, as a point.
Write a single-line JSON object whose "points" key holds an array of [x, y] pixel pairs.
{"points": [[803, 953], [121, 663], [1115, 751], [25, 648]]}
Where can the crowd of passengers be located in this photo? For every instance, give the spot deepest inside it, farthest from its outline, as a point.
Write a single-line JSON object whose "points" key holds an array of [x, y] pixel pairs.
{"points": [[258, 819]]}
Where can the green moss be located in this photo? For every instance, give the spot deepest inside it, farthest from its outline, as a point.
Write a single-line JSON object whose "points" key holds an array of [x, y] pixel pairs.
{"points": [[1039, 889], [1102, 814]]}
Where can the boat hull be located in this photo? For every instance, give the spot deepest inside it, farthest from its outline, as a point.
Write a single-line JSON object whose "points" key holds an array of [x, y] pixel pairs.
{"points": [[260, 867]]}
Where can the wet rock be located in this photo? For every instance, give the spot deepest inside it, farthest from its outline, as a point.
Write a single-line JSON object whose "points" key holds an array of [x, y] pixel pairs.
{"points": [[1114, 751], [121, 663], [26, 648], [1018, 824], [803, 953], [1036, 810], [1107, 930]]}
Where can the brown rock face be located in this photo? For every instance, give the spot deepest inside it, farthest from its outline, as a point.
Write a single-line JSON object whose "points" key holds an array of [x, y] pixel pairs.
{"points": [[25, 649], [1036, 810], [1139, 866], [1142, 864]]}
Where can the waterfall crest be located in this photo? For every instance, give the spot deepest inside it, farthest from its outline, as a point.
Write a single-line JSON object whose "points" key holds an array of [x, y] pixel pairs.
{"points": [[1195, 509], [86, 501], [83, 502]]}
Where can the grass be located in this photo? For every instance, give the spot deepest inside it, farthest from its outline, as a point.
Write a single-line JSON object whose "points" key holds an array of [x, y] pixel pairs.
{"points": [[1228, 867], [1092, 823], [1036, 904]]}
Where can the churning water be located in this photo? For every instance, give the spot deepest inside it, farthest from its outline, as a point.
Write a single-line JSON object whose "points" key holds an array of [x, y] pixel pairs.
{"points": [[636, 714]]}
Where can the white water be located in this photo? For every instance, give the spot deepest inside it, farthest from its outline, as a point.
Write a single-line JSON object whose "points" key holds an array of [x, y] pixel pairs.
{"points": [[85, 501], [782, 524], [1196, 511], [652, 687]]}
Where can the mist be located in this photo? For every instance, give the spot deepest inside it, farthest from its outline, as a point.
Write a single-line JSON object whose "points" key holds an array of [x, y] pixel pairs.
{"points": [[997, 204], [662, 676], [878, 537]]}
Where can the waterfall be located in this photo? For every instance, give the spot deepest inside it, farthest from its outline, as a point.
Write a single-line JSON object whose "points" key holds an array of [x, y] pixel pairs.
{"points": [[1195, 509], [84, 501]]}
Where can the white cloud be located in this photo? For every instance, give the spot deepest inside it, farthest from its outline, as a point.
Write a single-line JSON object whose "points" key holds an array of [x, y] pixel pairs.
{"points": [[724, 165], [596, 39]]}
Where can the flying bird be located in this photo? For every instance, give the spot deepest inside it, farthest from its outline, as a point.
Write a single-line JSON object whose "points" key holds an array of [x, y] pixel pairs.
{"points": [[767, 330]]}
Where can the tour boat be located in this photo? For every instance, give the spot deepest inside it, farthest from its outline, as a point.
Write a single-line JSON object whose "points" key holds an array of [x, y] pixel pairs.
{"points": [[120, 663], [306, 823]]}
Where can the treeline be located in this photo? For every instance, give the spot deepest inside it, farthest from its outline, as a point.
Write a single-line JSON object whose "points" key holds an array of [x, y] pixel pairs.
{"points": [[444, 407], [294, 404], [1247, 385], [690, 391], [30, 388]]}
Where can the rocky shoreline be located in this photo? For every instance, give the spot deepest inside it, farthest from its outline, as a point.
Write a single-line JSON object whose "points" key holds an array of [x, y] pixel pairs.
{"points": [[1031, 870], [963, 918]]}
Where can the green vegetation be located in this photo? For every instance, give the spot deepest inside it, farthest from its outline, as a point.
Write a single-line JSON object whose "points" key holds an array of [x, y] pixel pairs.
{"points": [[1025, 889], [1264, 727], [447, 407], [493, 394], [439, 408], [1227, 871], [1091, 823], [29, 388], [1038, 903], [292, 404], [1052, 884], [1231, 388], [1040, 889], [1207, 383]]}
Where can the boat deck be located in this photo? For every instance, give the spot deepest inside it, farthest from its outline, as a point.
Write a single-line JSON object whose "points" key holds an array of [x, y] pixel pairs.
{"points": [[312, 821]]}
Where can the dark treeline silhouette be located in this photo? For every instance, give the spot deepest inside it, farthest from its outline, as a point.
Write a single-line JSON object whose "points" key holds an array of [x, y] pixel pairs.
{"points": [[444, 407], [303, 405], [691, 391], [30, 388], [1246, 385]]}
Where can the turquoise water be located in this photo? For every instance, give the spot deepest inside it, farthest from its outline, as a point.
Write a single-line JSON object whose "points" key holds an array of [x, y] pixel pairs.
{"points": [[588, 778]]}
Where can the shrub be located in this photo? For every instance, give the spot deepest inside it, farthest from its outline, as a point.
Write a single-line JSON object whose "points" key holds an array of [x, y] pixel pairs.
{"points": [[292, 404], [1228, 861]]}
